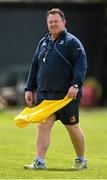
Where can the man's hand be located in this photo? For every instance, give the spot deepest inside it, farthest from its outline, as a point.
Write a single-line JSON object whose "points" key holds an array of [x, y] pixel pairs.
{"points": [[29, 98], [72, 92]]}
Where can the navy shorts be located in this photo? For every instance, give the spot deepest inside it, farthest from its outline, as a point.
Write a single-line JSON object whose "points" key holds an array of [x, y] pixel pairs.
{"points": [[68, 115]]}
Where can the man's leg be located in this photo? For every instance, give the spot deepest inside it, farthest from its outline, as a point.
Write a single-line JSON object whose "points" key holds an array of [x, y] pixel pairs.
{"points": [[43, 136], [43, 141], [77, 138], [78, 141]]}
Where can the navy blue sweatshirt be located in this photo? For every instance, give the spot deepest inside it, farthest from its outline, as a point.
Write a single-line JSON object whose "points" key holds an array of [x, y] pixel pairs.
{"points": [[58, 64]]}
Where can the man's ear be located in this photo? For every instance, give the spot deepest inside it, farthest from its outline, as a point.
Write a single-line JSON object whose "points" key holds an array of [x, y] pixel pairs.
{"points": [[64, 22]]}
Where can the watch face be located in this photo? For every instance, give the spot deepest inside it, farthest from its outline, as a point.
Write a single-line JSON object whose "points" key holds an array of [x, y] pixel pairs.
{"points": [[76, 85]]}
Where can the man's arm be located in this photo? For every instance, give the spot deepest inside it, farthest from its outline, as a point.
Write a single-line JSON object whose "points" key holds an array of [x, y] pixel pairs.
{"points": [[31, 83], [79, 59], [31, 80]]}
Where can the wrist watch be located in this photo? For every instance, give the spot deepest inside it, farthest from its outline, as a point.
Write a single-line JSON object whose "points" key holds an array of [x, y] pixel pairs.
{"points": [[76, 86]]}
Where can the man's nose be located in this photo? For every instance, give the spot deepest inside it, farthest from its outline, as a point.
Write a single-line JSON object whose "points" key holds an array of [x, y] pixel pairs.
{"points": [[53, 23]]}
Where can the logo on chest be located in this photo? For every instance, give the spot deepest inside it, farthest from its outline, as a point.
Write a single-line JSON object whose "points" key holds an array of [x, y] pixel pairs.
{"points": [[61, 42], [44, 44]]}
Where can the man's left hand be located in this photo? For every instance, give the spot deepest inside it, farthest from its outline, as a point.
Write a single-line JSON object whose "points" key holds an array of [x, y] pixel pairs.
{"points": [[72, 92]]}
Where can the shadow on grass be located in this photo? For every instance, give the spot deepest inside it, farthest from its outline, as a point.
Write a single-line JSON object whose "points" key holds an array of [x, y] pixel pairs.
{"points": [[60, 169]]}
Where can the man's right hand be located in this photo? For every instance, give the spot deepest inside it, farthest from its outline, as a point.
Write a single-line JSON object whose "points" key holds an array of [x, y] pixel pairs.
{"points": [[29, 98]]}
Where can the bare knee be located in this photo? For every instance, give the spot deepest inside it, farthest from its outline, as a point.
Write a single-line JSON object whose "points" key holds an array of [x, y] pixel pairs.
{"points": [[47, 125], [74, 129]]}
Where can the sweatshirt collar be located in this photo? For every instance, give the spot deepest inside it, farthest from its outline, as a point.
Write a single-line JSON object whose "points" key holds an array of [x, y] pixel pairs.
{"points": [[48, 35]]}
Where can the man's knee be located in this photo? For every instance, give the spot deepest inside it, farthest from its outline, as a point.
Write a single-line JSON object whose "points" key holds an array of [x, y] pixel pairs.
{"points": [[48, 123], [73, 128]]}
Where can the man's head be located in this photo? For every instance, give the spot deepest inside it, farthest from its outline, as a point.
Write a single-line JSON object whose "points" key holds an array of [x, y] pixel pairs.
{"points": [[55, 21]]}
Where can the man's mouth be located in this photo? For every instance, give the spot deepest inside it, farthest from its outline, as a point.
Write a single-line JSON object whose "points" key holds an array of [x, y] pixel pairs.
{"points": [[53, 27]]}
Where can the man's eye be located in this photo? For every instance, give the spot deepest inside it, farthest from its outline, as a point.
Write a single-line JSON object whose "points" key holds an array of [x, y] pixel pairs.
{"points": [[55, 22], [51, 22]]}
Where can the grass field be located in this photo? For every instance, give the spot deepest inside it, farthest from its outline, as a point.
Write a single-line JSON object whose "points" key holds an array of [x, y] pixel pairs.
{"points": [[17, 148]]}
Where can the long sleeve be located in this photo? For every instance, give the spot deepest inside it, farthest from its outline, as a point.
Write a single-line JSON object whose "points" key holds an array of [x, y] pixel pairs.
{"points": [[31, 80], [31, 83], [79, 59]]}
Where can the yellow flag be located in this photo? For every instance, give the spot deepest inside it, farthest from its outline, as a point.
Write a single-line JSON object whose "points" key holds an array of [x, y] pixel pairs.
{"points": [[41, 112]]}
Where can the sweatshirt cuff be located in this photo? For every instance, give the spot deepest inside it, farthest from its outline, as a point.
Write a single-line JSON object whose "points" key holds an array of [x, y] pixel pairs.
{"points": [[76, 82]]}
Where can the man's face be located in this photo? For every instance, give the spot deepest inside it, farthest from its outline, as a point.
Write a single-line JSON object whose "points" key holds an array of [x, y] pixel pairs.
{"points": [[55, 24]]}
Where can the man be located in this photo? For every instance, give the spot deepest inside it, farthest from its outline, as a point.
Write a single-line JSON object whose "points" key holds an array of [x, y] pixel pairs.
{"points": [[58, 69]]}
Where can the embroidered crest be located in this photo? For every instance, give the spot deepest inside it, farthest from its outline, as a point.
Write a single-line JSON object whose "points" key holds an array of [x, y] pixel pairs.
{"points": [[72, 119], [61, 42], [44, 44]]}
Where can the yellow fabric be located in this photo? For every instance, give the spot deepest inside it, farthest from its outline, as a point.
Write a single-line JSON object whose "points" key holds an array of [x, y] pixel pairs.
{"points": [[40, 112]]}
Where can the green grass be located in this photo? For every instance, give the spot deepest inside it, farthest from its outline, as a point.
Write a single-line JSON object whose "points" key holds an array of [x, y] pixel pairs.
{"points": [[17, 148]]}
